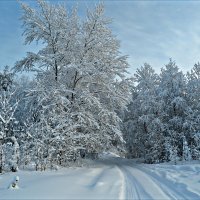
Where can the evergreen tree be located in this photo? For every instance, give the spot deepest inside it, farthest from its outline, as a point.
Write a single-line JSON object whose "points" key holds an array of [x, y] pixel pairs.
{"points": [[172, 90], [192, 123], [143, 129]]}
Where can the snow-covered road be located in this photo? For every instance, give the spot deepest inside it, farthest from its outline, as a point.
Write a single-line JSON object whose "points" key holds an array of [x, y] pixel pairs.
{"points": [[142, 183], [109, 178]]}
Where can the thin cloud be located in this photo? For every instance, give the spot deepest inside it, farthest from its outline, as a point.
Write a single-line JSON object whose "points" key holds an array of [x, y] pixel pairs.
{"points": [[149, 31]]}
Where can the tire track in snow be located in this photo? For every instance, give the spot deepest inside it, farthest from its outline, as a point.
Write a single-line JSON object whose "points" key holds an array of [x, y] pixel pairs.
{"points": [[132, 188], [170, 188], [151, 187], [122, 187], [98, 177]]}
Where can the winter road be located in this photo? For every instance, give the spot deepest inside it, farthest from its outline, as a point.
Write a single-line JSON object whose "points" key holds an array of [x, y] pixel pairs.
{"points": [[138, 181], [109, 178]]}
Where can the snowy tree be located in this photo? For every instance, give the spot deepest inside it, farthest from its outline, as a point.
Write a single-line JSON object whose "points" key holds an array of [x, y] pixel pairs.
{"points": [[144, 129], [56, 29], [9, 147], [186, 150], [192, 123], [162, 122], [171, 92], [80, 80], [130, 126]]}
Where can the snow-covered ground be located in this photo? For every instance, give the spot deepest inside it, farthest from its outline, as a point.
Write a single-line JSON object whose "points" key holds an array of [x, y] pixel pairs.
{"points": [[109, 178]]}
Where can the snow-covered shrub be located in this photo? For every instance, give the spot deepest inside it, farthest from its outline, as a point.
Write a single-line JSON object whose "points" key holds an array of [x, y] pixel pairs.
{"points": [[14, 184]]}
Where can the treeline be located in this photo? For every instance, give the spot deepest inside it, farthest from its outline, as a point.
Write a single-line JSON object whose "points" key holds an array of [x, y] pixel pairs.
{"points": [[163, 120]]}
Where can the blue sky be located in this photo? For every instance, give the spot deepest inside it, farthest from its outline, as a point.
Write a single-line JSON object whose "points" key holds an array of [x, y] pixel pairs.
{"points": [[149, 31]]}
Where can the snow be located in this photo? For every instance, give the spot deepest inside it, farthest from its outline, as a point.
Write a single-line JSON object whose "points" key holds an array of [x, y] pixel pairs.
{"points": [[111, 177]]}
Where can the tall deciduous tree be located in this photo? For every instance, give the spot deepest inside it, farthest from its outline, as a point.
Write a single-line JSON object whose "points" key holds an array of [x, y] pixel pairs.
{"points": [[81, 80]]}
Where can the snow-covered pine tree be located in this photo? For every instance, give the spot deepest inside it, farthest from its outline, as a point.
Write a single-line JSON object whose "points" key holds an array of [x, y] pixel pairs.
{"points": [[142, 127], [186, 150], [192, 123], [172, 95], [130, 126]]}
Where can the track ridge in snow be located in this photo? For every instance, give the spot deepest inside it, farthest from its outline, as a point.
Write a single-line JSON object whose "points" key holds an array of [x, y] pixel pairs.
{"points": [[170, 188], [144, 181], [132, 188], [122, 187]]}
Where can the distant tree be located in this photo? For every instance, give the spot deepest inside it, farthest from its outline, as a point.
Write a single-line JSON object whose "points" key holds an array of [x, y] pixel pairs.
{"points": [[162, 121], [172, 90], [192, 123], [142, 123]]}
